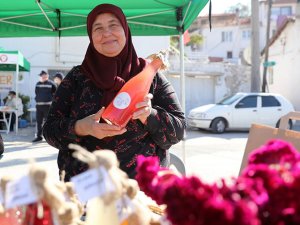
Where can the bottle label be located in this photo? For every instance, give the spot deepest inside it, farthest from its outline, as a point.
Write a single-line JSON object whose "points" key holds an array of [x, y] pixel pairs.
{"points": [[122, 100]]}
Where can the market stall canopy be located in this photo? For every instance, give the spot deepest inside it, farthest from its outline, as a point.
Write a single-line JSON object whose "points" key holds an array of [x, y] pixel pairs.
{"points": [[9, 60], [36, 18]]}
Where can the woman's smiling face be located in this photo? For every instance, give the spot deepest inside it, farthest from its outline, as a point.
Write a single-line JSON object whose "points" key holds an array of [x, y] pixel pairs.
{"points": [[108, 35]]}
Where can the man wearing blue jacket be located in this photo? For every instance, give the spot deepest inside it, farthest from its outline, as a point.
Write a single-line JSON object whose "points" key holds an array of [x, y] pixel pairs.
{"points": [[44, 91]]}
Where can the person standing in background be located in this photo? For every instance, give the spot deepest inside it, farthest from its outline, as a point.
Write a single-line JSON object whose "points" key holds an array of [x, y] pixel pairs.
{"points": [[58, 78], [44, 91]]}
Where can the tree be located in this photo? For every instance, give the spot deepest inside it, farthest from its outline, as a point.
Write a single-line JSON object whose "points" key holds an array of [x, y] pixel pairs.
{"points": [[242, 10], [174, 41], [196, 41]]}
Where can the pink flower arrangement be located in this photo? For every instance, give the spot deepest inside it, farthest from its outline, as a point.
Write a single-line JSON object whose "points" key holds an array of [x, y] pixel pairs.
{"points": [[266, 193]]}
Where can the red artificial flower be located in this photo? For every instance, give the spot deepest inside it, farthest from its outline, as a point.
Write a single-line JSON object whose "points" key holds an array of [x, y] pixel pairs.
{"points": [[266, 193], [191, 202], [274, 152]]}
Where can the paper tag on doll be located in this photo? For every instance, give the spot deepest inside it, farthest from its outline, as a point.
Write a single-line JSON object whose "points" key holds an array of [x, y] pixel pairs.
{"points": [[1, 196], [92, 183], [164, 221], [19, 192], [124, 208]]}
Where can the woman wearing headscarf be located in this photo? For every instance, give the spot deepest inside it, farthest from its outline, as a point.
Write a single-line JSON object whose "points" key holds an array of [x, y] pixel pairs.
{"points": [[75, 114]]}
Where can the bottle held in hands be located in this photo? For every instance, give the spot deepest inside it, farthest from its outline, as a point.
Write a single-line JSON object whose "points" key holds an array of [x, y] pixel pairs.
{"points": [[121, 109]]}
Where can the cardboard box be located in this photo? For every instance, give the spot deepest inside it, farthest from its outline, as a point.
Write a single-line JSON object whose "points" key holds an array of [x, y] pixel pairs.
{"points": [[260, 134]]}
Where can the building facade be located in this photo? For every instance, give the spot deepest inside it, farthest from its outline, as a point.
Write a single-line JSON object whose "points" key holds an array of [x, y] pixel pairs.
{"points": [[284, 51]]}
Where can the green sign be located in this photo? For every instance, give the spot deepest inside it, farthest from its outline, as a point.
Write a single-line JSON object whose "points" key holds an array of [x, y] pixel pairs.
{"points": [[269, 63]]}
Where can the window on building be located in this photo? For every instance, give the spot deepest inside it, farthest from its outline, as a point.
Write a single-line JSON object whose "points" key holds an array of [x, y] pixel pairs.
{"points": [[287, 11], [275, 12], [246, 34], [283, 11], [229, 55], [226, 36]]}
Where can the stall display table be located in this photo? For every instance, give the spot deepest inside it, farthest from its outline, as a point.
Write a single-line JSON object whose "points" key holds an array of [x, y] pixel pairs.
{"points": [[8, 110], [31, 110]]}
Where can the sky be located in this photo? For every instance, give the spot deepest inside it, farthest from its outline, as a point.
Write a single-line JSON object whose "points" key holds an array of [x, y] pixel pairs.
{"points": [[219, 6]]}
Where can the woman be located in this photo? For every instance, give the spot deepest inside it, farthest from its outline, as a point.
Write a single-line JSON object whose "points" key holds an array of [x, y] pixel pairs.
{"points": [[13, 102], [75, 114]]}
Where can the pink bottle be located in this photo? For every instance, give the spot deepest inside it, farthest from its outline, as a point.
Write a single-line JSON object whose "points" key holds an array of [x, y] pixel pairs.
{"points": [[121, 109]]}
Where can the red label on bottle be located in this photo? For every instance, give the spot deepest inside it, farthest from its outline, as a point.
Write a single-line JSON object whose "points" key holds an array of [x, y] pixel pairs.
{"points": [[122, 100]]}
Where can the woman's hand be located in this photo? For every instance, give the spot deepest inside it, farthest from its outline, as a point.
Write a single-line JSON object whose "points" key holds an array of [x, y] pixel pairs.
{"points": [[143, 109], [90, 126]]}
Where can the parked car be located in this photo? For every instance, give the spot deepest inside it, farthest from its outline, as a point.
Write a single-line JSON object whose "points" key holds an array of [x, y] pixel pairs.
{"points": [[239, 111]]}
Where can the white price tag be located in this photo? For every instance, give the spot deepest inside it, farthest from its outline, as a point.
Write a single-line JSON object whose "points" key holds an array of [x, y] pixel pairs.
{"points": [[1, 196], [92, 183], [124, 208], [164, 221], [19, 192]]}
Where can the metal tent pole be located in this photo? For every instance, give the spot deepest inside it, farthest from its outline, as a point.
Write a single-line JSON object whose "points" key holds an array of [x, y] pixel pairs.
{"points": [[17, 91], [180, 19], [182, 77], [182, 88]]}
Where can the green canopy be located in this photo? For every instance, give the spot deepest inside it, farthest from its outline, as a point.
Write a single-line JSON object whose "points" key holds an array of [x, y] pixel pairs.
{"points": [[13, 61], [35, 18], [9, 60]]}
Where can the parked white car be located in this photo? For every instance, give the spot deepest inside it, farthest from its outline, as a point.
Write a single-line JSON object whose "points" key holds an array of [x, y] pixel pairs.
{"points": [[239, 111]]}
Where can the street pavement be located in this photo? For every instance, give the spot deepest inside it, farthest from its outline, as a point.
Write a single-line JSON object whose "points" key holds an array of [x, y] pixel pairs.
{"points": [[212, 156], [19, 151], [207, 155]]}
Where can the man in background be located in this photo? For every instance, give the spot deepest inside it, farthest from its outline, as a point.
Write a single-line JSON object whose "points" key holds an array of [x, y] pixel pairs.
{"points": [[44, 91], [58, 77]]}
